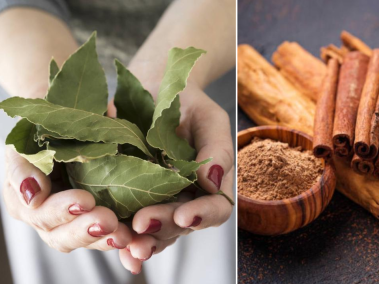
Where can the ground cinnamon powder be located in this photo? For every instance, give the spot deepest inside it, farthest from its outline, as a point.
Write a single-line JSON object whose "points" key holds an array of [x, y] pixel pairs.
{"points": [[271, 170]]}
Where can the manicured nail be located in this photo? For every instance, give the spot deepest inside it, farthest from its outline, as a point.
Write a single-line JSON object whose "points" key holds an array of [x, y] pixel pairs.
{"points": [[215, 175], [96, 231], [196, 221], [153, 249], [76, 209], [111, 243], [154, 226], [29, 188]]}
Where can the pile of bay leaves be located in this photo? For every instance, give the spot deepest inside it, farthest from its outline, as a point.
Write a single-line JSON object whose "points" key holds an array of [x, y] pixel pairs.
{"points": [[128, 162]]}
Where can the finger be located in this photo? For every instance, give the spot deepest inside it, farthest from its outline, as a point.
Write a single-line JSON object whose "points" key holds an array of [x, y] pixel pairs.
{"points": [[82, 231], [129, 262], [32, 185], [211, 130], [119, 239], [111, 112], [144, 246], [158, 220], [206, 211], [59, 209]]}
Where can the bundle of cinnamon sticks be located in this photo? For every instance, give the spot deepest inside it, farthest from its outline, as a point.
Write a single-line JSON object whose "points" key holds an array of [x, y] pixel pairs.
{"points": [[347, 112], [347, 109]]}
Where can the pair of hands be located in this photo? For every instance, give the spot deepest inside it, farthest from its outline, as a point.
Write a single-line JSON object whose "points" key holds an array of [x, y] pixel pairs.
{"points": [[69, 219]]}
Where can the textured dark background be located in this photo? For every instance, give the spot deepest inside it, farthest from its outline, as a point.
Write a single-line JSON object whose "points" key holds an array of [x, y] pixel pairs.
{"points": [[342, 245]]}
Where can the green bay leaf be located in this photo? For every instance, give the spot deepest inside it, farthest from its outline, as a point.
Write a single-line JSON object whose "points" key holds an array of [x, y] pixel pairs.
{"points": [[78, 124], [126, 183], [81, 82], [83, 78], [132, 101], [166, 114], [21, 138], [78, 151], [53, 70], [186, 168]]}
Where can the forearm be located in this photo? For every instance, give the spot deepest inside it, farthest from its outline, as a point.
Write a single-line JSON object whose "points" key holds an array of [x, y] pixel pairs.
{"points": [[29, 39], [205, 24]]}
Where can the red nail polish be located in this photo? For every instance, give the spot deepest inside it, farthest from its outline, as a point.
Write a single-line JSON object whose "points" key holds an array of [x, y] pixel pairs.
{"points": [[96, 231], [76, 209], [29, 188], [215, 175], [153, 249], [154, 226], [111, 243], [128, 248], [196, 221]]}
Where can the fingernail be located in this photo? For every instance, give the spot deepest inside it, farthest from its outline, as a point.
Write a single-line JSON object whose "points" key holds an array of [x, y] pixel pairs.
{"points": [[152, 251], [76, 209], [215, 174], [154, 226], [128, 248], [29, 188], [111, 243], [196, 221], [96, 231]]}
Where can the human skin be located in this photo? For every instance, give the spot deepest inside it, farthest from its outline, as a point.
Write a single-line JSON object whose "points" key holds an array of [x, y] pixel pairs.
{"points": [[32, 37]]}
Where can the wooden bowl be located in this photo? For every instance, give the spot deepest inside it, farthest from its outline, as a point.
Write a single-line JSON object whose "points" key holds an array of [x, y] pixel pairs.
{"points": [[283, 216]]}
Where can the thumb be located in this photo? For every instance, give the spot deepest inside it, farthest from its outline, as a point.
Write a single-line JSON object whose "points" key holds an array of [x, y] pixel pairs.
{"points": [[31, 185], [212, 138]]}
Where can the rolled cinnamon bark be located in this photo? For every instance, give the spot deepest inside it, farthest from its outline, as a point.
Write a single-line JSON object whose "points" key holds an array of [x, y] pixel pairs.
{"points": [[366, 145], [376, 168], [350, 84], [300, 67], [324, 117], [361, 166], [354, 43], [332, 51]]}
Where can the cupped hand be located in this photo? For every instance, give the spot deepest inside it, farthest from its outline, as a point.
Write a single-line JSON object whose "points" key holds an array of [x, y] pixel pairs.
{"points": [[206, 126], [65, 219]]}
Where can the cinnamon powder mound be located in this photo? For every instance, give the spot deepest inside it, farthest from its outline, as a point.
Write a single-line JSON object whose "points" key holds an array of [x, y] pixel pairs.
{"points": [[272, 170]]}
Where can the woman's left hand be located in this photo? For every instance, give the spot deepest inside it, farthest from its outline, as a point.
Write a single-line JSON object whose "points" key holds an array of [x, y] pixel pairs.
{"points": [[206, 126]]}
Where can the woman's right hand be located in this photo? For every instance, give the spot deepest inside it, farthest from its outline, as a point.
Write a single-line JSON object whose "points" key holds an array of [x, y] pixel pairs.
{"points": [[66, 219]]}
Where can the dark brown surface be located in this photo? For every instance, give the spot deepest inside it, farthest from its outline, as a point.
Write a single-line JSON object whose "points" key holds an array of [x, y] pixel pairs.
{"points": [[342, 245]]}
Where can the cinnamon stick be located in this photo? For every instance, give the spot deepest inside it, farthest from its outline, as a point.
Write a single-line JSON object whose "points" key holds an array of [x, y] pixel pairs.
{"points": [[332, 51], [366, 144], [351, 80], [354, 43], [324, 117], [267, 97], [361, 166], [301, 68]]}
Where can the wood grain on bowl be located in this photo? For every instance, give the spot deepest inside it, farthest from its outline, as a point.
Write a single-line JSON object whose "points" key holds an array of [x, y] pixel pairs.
{"points": [[283, 216]]}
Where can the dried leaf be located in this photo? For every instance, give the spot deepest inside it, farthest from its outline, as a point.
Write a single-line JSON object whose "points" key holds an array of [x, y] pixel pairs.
{"points": [[132, 101], [74, 123], [186, 168], [21, 138], [166, 115], [125, 183]]}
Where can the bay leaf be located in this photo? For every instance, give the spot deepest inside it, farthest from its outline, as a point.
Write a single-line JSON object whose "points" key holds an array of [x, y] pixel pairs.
{"points": [[166, 114], [21, 138], [186, 168], [164, 133], [130, 182], [81, 82], [78, 124], [78, 151], [53, 70], [132, 101]]}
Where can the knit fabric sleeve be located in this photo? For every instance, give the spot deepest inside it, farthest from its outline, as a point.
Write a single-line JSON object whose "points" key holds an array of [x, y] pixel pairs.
{"points": [[56, 7]]}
